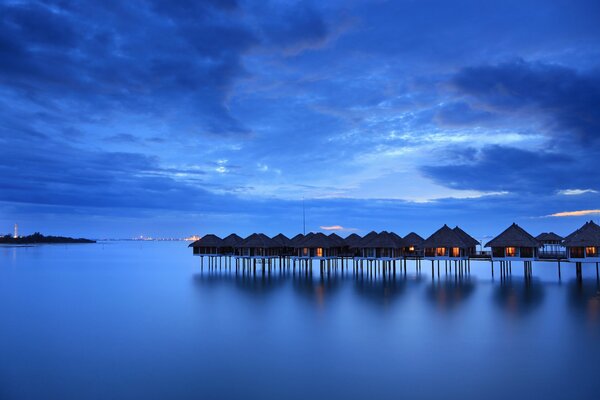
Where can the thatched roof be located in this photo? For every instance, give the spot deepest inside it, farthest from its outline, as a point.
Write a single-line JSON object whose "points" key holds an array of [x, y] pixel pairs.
{"points": [[468, 239], [232, 240], [445, 237], [587, 235], [352, 240], [297, 239], [209, 240], [282, 240], [258, 241], [514, 236], [362, 243], [398, 239], [318, 240], [383, 240], [339, 241], [412, 239], [549, 237]]}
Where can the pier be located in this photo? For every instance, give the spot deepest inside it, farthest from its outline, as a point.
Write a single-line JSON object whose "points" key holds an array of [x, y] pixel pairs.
{"points": [[385, 254]]}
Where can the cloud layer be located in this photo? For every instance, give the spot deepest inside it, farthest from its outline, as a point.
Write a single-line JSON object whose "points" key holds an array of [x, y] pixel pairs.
{"points": [[172, 118]]}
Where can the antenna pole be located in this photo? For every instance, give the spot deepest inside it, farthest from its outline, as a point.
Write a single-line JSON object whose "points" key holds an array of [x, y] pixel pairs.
{"points": [[303, 218]]}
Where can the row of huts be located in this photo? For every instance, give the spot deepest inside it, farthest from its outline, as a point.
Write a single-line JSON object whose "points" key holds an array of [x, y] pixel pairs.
{"points": [[446, 243]]}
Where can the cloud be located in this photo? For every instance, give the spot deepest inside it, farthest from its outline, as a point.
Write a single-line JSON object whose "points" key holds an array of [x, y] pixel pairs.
{"points": [[337, 228], [562, 95], [462, 114], [507, 169], [576, 192], [580, 213]]}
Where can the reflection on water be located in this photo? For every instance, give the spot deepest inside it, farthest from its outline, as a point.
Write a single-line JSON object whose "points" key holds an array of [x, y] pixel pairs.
{"points": [[143, 320], [450, 293], [584, 298], [447, 292], [518, 296]]}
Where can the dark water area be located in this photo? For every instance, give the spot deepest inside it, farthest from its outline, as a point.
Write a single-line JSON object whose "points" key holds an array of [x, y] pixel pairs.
{"points": [[140, 320]]}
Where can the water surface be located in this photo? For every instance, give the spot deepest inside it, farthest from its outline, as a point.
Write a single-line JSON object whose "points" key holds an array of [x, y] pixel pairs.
{"points": [[125, 320]]}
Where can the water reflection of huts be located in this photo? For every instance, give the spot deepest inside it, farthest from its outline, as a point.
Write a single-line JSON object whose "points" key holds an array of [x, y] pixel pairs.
{"points": [[386, 252]]}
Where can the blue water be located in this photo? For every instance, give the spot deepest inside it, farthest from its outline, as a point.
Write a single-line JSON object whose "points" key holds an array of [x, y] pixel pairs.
{"points": [[137, 320]]}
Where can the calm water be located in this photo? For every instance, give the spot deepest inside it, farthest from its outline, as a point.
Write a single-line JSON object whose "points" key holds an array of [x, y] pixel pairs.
{"points": [[139, 320]]}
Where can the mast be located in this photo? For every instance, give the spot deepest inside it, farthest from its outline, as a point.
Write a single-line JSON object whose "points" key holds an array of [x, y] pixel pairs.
{"points": [[303, 218]]}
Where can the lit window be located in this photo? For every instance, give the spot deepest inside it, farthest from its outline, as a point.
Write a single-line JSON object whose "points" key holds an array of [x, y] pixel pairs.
{"points": [[319, 252], [591, 252], [440, 251], [455, 252], [511, 251], [411, 248]]}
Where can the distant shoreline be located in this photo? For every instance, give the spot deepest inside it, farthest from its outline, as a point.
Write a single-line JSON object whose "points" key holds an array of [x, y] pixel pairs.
{"points": [[38, 238]]}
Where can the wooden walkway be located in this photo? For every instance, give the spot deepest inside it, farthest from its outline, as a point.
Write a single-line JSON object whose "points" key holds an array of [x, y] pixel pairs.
{"points": [[377, 266]]}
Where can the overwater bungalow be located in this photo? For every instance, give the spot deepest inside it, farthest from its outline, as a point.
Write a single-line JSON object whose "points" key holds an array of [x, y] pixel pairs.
{"points": [[257, 245], [469, 240], [286, 246], [352, 241], [552, 246], [229, 244], [317, 245], [383, 245], [514, 244], [413, 245], [343, 248], [583, 245], [207, 245], [446, 244]]}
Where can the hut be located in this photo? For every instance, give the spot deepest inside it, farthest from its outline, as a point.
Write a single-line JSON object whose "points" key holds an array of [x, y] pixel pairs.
{"points": [[343, 250], [552, 246], [361, 245], [352, 241], [207, 245], [337, 239], [413, 245], [286, 247], [257, 245], [446, 244], [229, 244], [514, 244], [383, 245], [583, 245], [317, 245], [469, 240]]}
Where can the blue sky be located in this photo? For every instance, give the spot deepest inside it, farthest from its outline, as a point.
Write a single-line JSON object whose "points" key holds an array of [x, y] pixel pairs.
{"points": [[120, 119]]}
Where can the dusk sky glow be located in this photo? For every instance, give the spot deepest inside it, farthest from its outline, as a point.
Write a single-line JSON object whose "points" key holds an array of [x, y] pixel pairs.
{"points": [[128, 118]]}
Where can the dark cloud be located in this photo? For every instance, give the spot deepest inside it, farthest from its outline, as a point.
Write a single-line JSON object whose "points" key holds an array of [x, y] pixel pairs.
{"points": [[501, 168], [295, 27], [567, 98]]}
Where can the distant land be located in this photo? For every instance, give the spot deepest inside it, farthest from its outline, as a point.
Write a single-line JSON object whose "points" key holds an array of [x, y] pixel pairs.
{"points": [[38, 238]]}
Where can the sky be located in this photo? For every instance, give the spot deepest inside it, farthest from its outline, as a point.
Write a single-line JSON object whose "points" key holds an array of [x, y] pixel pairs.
{"points": [[167, 119]]}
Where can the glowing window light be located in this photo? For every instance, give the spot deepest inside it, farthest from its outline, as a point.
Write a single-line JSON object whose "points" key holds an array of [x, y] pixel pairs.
{"points": [[591, 251], [440, 251], [511, 252], [455, 252], [319, 252]]}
